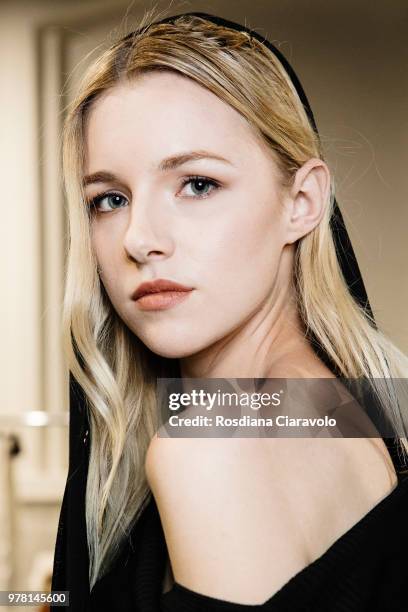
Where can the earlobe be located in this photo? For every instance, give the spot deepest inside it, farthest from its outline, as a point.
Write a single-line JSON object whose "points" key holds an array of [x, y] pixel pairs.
{"points": [[309, 198]]}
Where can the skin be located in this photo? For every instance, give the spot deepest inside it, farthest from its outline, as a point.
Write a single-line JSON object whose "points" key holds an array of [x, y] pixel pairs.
{"points": [[235, 247]]}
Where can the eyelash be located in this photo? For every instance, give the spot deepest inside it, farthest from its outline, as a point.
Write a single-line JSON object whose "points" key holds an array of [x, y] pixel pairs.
{"points": [[94, 202]]}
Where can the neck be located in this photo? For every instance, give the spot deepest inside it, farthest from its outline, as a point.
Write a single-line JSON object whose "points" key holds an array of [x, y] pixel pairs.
{"points": [[260, 347]]}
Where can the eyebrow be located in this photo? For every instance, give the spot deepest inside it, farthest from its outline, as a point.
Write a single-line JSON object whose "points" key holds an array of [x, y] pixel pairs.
{"points": [[174, 161], [169, 163]]}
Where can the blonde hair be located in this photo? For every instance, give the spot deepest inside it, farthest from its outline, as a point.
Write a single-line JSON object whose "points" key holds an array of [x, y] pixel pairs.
{"points": [[116, 371]]}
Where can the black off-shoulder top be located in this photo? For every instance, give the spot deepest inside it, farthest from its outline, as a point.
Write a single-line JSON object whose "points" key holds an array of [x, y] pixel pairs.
{"points": [[365, 569]]}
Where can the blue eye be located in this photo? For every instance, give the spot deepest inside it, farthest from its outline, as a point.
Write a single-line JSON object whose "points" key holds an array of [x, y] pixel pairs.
{"points": [[114, 201], [202, 186]]}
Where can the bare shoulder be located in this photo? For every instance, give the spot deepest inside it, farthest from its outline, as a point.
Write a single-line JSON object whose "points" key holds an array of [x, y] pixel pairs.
{"points": [[222, 516], [372, 464], [230, 507], [190, 467]]}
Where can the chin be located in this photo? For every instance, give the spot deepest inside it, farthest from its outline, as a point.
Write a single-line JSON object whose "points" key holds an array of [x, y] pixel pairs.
{"points": [[169, 354], [174, 345], [170, 351]]}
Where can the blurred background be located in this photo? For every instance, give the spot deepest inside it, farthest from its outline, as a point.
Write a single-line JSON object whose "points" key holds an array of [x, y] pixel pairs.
{"points": [[351, 57]]}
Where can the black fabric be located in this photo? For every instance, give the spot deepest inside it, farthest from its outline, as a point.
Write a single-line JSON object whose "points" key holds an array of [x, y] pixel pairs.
{"points": [[134, 582], [71, 559]]}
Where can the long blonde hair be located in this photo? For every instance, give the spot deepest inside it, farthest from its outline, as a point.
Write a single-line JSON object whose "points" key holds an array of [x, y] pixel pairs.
{"points": [[116, 371]]}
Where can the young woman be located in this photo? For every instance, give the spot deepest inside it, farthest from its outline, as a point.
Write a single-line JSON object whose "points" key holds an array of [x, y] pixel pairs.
{"points": [[205, 242]]}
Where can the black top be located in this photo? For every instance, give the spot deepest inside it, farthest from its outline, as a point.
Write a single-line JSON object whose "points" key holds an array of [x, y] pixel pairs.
{"points": [[362, 570]]}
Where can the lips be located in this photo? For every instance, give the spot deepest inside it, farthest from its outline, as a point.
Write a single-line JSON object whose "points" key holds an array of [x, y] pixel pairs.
{"points": [[159, 285]]}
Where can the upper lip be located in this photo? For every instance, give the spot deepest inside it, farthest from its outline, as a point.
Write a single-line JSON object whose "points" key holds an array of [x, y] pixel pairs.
{"points": [[160, 284]]}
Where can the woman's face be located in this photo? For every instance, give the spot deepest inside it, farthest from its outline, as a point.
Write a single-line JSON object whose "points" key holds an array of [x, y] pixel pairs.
{"points": [[223, 236]]}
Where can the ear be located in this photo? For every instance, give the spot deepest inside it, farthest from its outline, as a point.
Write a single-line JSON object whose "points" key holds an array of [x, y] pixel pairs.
{"points": [[307, 199]]}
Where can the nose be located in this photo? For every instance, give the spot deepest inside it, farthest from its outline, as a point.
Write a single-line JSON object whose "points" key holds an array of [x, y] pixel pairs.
{"points": [[147, 235]]}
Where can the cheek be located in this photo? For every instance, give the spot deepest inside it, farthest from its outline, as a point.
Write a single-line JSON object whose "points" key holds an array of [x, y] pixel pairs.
{"points": [[245, 251], [105, 246]]}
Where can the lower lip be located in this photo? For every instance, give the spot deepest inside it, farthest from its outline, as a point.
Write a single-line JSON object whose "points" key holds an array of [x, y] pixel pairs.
{"points": [[162, 300]]}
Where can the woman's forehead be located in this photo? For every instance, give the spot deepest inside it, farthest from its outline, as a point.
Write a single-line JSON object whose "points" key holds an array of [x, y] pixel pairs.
{"points": [[161, 114]]}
